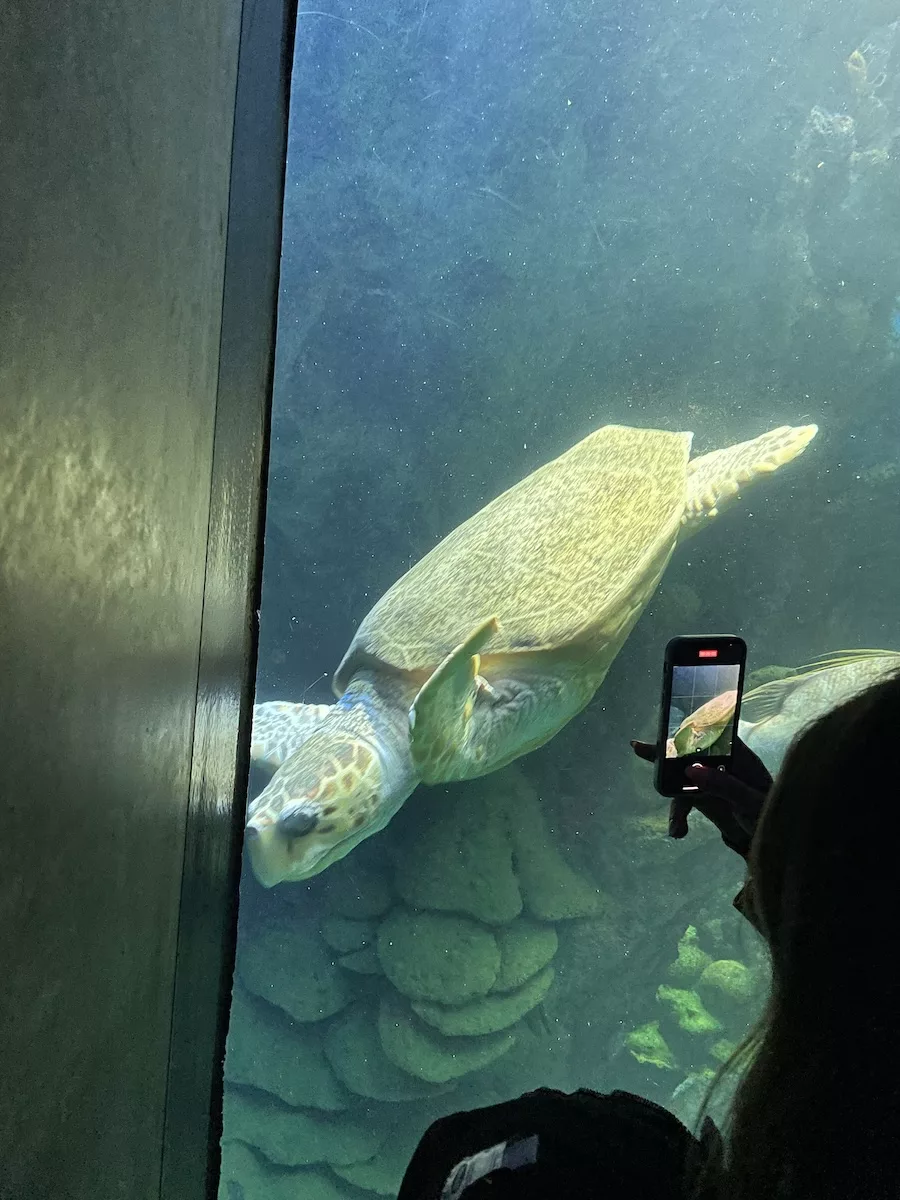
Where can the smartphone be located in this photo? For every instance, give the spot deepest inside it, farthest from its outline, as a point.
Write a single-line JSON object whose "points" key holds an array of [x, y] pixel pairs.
{"points": [[703, 679]]}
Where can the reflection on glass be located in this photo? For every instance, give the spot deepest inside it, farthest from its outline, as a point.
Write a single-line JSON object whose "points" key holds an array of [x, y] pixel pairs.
{"points": [[507, 227]]}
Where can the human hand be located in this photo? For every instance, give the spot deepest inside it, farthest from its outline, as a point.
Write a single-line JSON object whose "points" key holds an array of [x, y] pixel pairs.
{"points": [[732, 799]]}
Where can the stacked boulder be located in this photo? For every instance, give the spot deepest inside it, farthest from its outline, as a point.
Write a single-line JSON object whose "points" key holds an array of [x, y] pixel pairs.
{"points": [[392, 989], [707, 1006]]}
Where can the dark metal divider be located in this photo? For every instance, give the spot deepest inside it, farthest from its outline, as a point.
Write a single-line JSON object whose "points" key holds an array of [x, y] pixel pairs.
{"points": [[138, 269], [227, 650]]}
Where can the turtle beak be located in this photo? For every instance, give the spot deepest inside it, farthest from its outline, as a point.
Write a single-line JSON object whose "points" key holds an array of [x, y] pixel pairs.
{"points": [[267, 853], [271, 843]]}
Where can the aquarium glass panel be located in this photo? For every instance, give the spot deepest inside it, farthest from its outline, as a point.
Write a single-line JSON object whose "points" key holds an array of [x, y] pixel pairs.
{"points": [[640, 263]]}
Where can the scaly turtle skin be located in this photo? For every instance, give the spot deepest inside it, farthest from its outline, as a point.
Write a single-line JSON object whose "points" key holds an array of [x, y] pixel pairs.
{"points": [[491, 643], [703, 727]]}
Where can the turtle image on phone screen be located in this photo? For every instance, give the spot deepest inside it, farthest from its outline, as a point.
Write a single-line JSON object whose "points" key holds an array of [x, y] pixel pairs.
{"points": [[701, 711]]}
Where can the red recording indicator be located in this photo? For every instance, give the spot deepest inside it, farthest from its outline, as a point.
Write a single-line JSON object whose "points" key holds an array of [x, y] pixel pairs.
{"points": [[707, 654]]}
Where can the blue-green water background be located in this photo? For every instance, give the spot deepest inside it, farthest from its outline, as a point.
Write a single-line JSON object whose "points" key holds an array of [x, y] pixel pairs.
{"points": [[506, 224]]}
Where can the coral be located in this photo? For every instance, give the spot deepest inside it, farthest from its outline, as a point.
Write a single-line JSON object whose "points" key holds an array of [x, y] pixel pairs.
{"points": [[722, 1050], [384, 1172], [526, 947], [491, 1013], [434, 956], [362, 962], [713, 931], [292, 1137], [688, 1011], [552, 890], [356, 890], [487, 852], [463, 860], [267, 1050], [353, 1048], [345, 934], [429, 1055], [287, 963], [244, 1169], [647, 1045], [648, 833], [540, 1057], [691, 960], [728, 981]]}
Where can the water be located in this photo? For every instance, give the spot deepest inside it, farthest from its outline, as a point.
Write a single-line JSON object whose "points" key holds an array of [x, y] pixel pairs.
{"points": [[507, 225]]}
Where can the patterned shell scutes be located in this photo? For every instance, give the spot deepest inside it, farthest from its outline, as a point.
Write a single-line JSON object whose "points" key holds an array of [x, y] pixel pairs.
{"points": [[716, 711], [569, 545]]}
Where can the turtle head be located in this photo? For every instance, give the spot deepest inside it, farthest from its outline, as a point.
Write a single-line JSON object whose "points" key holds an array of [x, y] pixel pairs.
{"points": [[321, 803]]}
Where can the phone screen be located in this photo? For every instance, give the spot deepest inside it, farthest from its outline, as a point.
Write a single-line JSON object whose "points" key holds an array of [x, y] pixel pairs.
{"points": [[702, 684]]}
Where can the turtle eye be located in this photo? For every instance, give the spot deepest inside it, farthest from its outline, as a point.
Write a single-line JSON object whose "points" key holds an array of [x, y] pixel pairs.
{"points": [[297, 820]]}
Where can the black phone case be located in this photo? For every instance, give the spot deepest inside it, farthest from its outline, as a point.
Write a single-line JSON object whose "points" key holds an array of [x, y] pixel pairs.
{"points": [[674, 644]]}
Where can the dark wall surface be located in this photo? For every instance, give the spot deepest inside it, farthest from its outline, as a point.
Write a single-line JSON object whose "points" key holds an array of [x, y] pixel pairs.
{"points": [[132, 418]]}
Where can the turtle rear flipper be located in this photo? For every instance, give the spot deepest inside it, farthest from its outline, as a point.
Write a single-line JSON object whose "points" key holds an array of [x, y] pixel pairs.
{"points": [[715, 479]]}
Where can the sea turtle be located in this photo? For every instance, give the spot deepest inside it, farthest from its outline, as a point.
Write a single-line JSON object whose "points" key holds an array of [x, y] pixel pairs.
{"points": [[493, 641], [702, 728]]}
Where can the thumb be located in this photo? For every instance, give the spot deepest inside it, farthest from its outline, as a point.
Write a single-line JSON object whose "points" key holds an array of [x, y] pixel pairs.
{"points": [[645, 750]]}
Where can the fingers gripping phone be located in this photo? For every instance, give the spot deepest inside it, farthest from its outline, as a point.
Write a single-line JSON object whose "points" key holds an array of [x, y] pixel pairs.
{"points": [[703, 679]]}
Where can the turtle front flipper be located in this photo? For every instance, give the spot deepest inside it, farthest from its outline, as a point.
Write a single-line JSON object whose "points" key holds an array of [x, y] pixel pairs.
{"points": [[280, 729], [441, 713], [684, 742], [715, 479]]}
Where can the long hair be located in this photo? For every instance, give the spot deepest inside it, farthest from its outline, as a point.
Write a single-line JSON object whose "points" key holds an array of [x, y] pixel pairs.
{"points": [[816, 1115]]}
